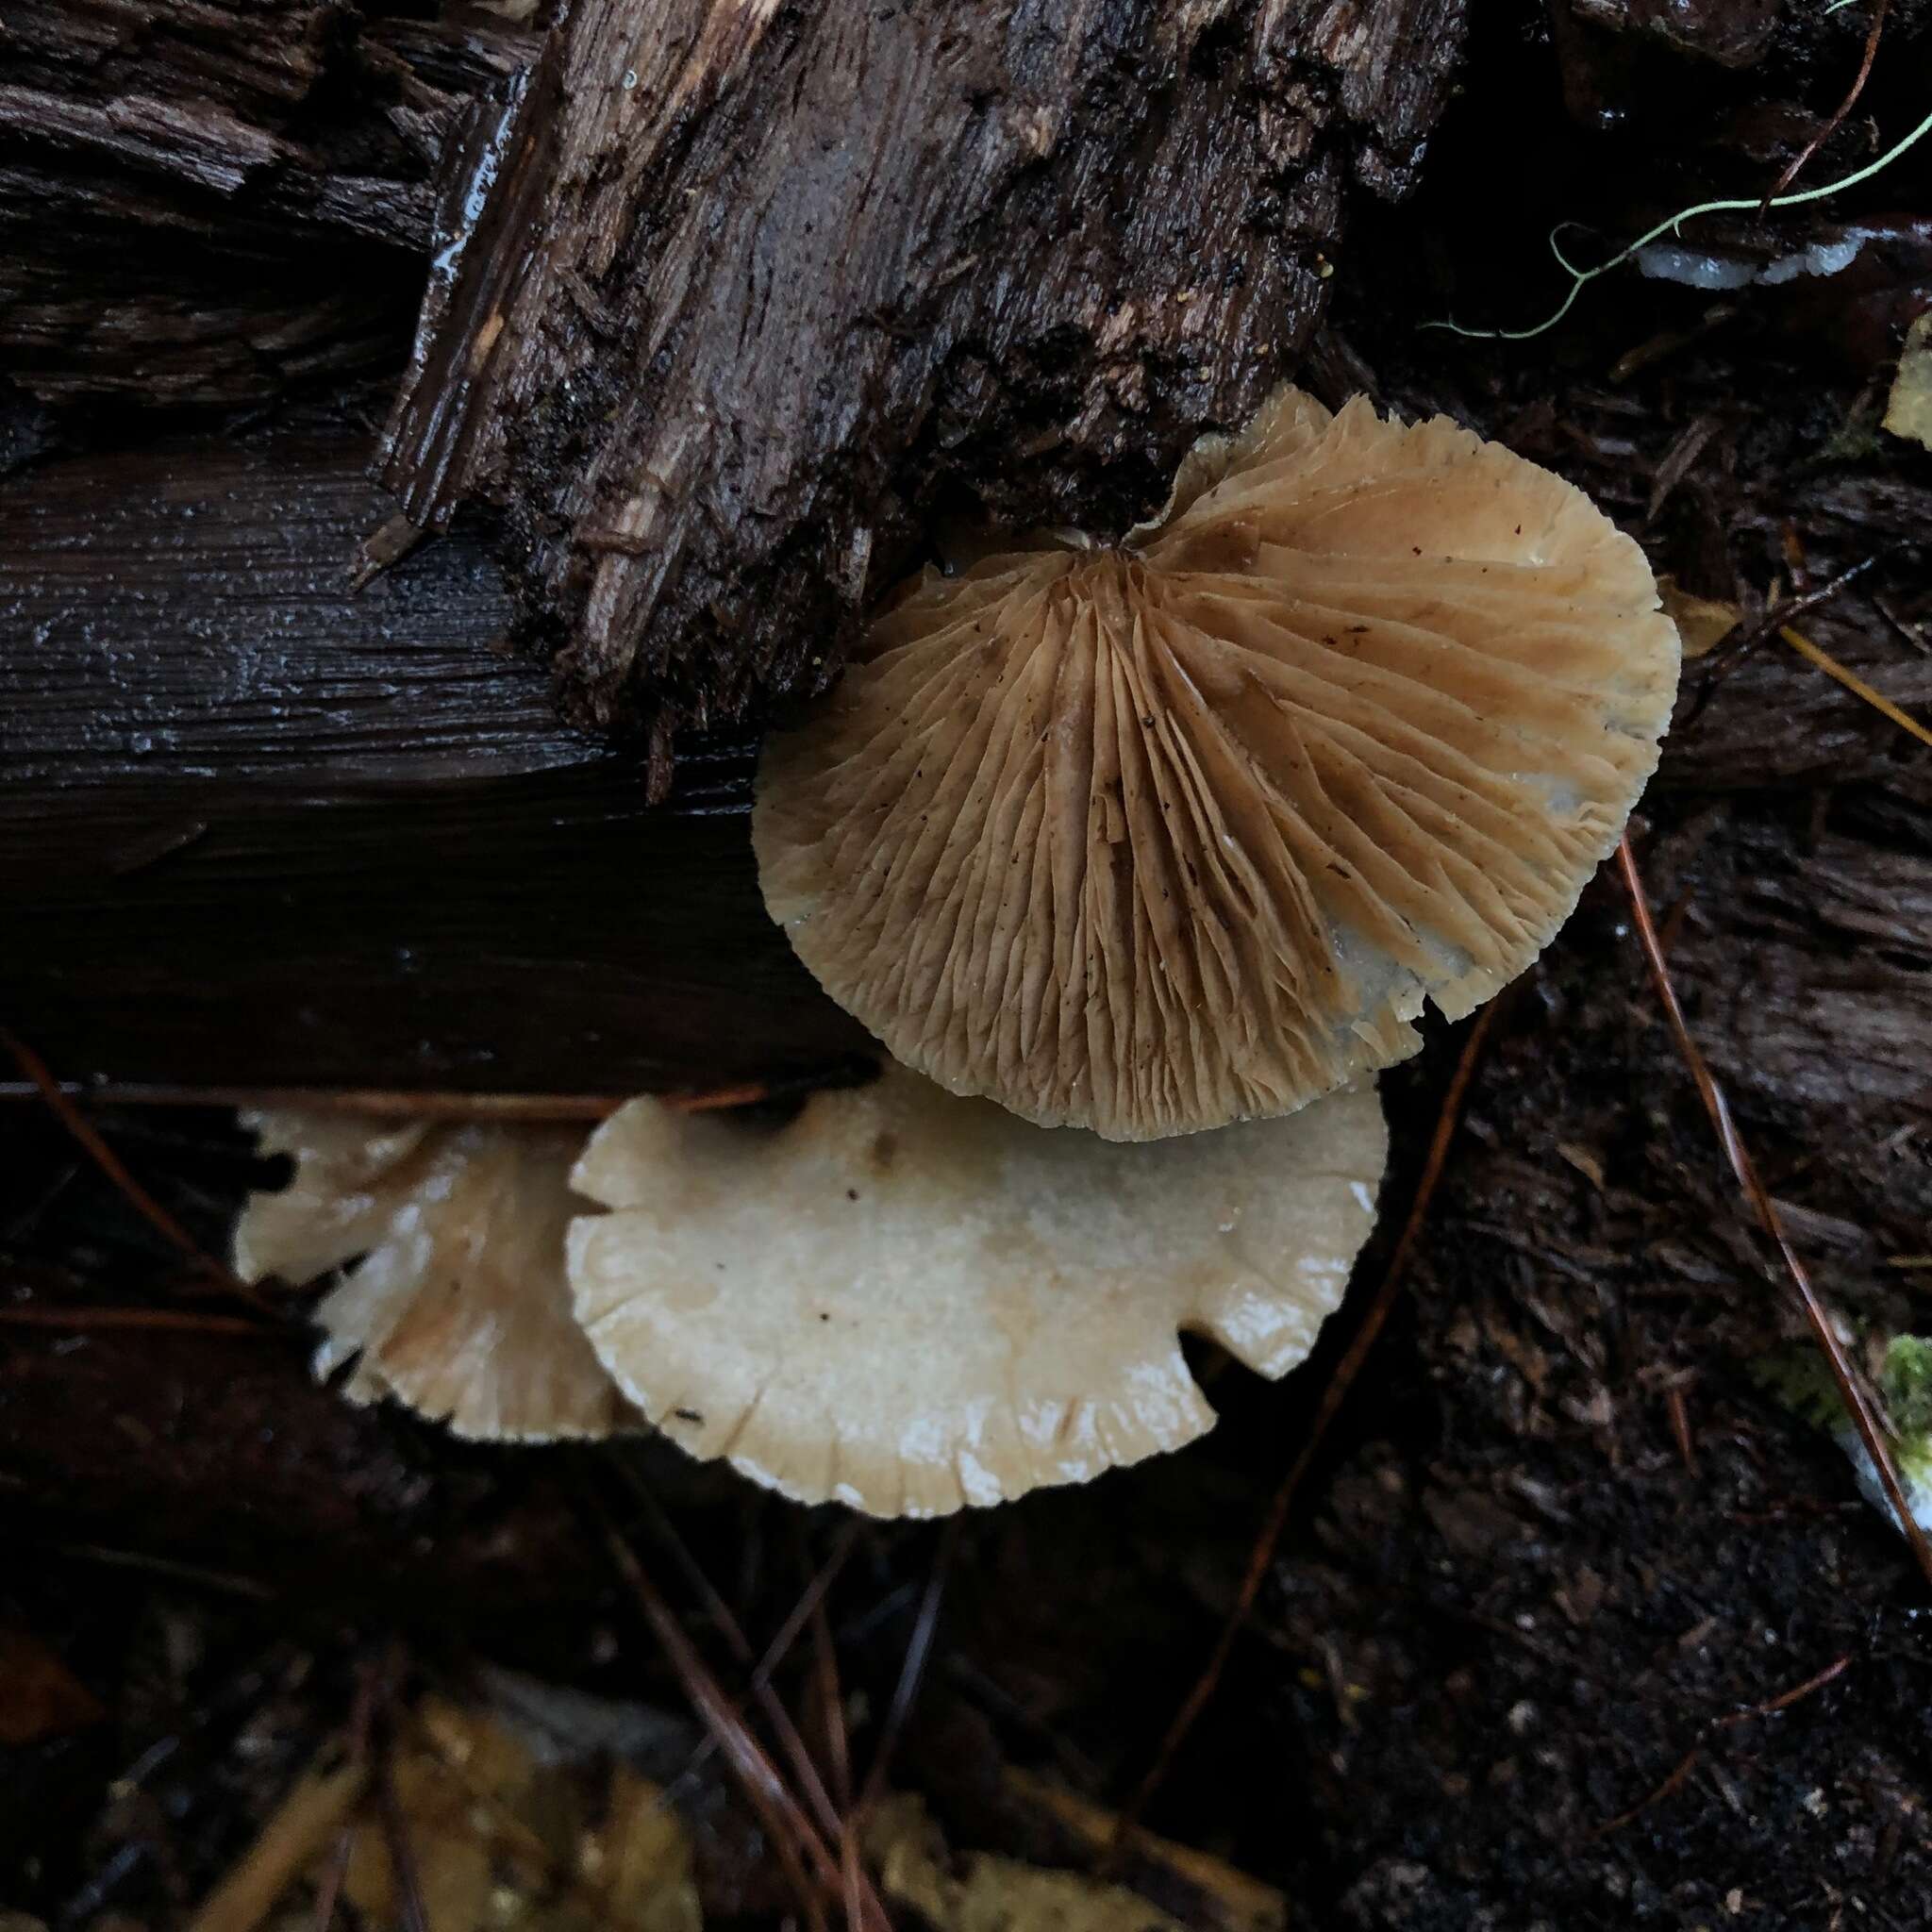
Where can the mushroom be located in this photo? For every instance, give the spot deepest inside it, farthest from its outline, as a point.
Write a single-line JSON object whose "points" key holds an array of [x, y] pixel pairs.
{"points": [[1155, 836], [906, 1302], [459, 1305]]}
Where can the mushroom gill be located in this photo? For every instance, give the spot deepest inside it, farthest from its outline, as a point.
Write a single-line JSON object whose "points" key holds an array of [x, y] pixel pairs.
{"points": [[1154, 837]]}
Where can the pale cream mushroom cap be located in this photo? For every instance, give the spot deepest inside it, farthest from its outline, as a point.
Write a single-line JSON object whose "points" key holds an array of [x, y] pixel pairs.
{"points": [[906, 1302], [459, 1307], [1155, 837]]}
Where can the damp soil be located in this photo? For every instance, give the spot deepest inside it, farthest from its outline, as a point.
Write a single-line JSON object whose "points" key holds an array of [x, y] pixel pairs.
{"points": [[1575, 1625]]}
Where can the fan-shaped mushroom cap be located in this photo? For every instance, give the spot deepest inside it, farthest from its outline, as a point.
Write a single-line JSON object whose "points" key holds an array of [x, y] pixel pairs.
{"points": [[906, 1302], [1151, 838], [459, 1307]]}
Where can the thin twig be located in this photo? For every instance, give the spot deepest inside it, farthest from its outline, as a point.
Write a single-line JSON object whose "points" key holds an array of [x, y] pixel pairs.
{"points": [[1787, 1698], [838, 1748], [912, 1671], [727, 1627], [35, 1069], [1681, 1426], [328, 1893], [361, 1720], [1800, 605], [1675, 1782], [174, 1568], [295, 1834], [1333, 1396], [1798, 164], [809, 1606], [792, 1834], [831, 1707], [440, 1103], [181, 1321], [1870, 1431], [780, 1646], [411, 1913], [427, 1103], [747, 1093], [1909, 633], [1688, 1763], [1737, 647], [667, 1532]]}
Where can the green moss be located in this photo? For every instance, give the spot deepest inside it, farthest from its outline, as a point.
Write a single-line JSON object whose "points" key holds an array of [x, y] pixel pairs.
{"points": [[1799, 1378], [1905, 1382]]}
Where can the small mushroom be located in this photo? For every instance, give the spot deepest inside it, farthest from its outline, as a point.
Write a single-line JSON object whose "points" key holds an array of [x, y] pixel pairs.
{"points": [[907, 1302], [1155, 836], [459, 1305]]}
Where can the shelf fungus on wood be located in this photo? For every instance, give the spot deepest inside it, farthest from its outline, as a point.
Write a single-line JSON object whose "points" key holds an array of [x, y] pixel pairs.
{"points": [[457, 1304], [1157, 837], [907, 1302]]}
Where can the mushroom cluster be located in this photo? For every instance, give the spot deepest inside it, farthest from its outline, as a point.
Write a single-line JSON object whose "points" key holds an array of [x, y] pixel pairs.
{"points": [[894, 1299], [1161, 843]]}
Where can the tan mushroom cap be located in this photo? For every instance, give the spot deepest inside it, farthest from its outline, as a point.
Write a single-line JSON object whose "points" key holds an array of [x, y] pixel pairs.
{"points": [[906, 1302], [1155, 837], [459, 1307]]}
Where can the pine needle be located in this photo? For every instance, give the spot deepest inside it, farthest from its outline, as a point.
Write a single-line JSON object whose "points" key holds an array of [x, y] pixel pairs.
{"points": [[1872, 1432], [1852, 682], [1261, 1554]]}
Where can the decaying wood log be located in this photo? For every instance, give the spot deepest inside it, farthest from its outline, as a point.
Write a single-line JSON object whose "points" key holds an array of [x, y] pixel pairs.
{"points": [[257, 830], [200, 202], [728, 305], [728, 301], [732, 300]]}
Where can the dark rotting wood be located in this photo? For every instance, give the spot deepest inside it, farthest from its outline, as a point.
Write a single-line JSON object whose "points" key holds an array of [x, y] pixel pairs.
{"points": [[205, 204], [730, 301], [1507, 1604], [259, 831]]}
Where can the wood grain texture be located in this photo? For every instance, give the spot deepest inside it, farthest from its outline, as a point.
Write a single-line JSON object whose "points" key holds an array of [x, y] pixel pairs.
{"points": [[1814, 993], [733, 299], [182, 616], [259, 831], [206, 203]]}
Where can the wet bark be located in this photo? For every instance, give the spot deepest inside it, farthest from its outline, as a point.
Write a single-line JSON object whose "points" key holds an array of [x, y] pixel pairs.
{"points": [[212, 744], [727, 306], [206, 203], [1576, 1621], [732, 302]]}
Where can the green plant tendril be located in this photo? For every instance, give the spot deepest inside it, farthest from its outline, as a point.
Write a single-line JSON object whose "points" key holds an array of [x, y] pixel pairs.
{"points": [[1673, 225]]}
